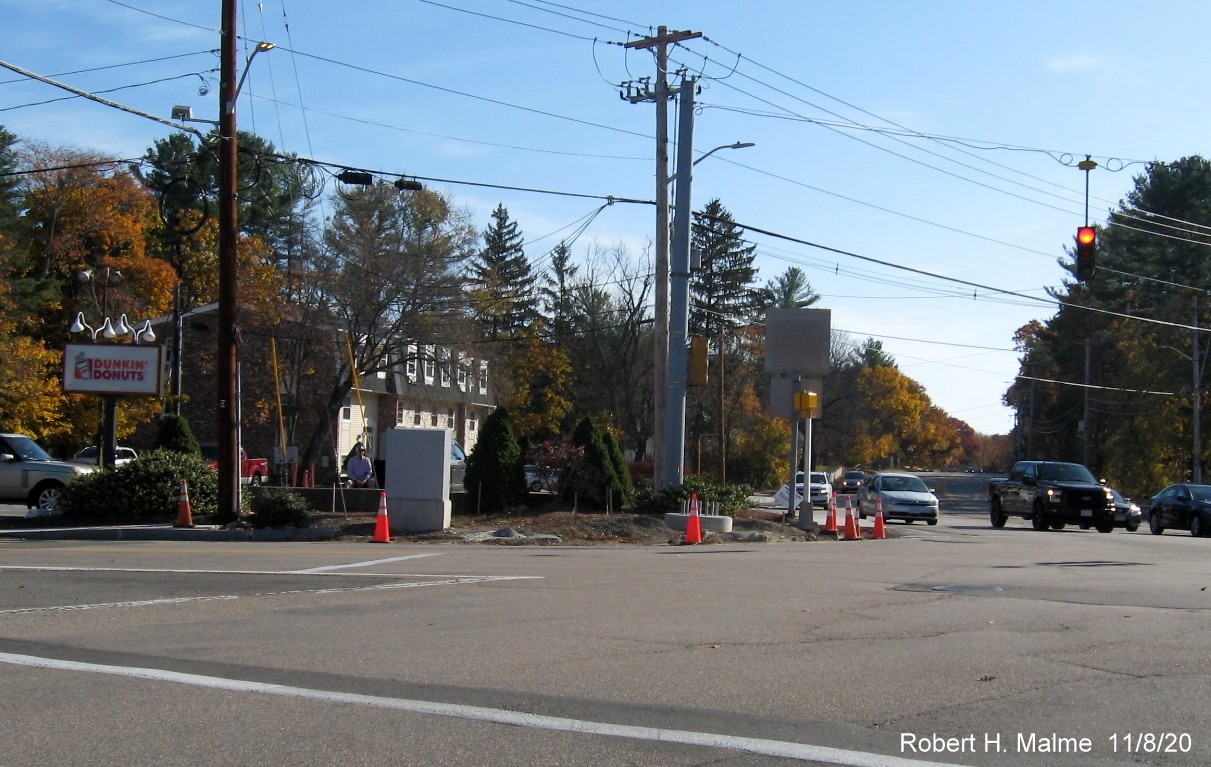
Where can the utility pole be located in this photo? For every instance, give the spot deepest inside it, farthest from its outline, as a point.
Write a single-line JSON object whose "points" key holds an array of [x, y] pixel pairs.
{"points": [[661, 96], [1085, 422], [720, 426], [1196, 473], [679, 291], [227, 410]]}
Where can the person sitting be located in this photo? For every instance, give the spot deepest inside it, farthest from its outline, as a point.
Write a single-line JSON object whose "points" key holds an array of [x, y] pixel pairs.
{"points": [[360, 469]]}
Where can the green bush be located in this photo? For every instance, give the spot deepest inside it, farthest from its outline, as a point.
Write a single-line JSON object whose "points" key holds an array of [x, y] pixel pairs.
{"points": [[278, 507], [175, 435], [144, 490], [495, 477], [732, 499]]}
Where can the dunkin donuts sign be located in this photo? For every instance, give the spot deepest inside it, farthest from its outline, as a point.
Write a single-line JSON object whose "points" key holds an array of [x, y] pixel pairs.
{"points": [[112, 369]]}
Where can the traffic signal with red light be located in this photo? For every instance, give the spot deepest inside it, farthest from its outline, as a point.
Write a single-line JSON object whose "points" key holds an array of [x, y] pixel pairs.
{"points": [[1086, 250]]}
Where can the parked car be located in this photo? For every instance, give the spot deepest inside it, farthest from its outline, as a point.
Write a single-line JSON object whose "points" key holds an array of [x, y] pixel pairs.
{"points": [[541, 478], [90, 456], [903, 496], [458, 467], [29, 475], [852, 482], [1127, 515], [1182, 507], [819, 488]]}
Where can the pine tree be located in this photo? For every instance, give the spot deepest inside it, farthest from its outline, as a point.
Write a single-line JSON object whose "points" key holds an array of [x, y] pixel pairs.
{"points": [[597, 475], [722, 290], [495, 477], [557, 292], [502, 294], [791, 290]]}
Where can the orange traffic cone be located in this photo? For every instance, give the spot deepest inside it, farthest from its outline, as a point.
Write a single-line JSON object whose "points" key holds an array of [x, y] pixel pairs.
{"points": [[880, 530], [382, 526], [184, 514], [830, 519], [852, 533], [693, 526]]}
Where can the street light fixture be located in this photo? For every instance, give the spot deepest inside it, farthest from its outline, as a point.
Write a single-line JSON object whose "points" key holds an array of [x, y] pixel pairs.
{"points": [[737, 145], [184, 113]]}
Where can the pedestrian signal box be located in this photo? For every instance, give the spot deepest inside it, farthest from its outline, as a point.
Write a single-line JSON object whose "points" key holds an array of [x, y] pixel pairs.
{"points": [[807, 402]]}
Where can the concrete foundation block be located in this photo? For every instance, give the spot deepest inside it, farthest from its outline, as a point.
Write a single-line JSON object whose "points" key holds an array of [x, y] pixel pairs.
{"points": [[710, 523]]}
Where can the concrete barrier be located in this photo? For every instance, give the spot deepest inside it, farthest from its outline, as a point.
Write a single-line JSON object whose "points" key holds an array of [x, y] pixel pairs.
{"points": [[711, 523]]}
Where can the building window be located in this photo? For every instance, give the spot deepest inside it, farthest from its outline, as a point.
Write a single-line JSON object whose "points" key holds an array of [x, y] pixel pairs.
{"points": [[462, 373], [430, 364], [445, 368], [416, 418], [347, 411], [450, 418], [410, 364], [472, 422], [483, 378], [433, 420], [401, 413]]}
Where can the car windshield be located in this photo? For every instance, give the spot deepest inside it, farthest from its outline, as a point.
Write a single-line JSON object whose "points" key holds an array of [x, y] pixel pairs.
{"points": [[1065, 472], [26, 449], [905, 484], [819, 479], [854, 475]]}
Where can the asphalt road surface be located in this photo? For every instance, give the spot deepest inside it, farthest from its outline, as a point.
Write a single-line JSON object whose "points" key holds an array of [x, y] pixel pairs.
{"points": [[954, 644]]}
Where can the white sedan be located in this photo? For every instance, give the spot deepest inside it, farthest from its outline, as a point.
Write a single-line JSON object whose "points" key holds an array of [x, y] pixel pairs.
{"points": [[903, 496]]}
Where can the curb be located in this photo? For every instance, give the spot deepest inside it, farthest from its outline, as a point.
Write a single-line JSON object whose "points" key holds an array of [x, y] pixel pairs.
{"points": [[169, 533]]}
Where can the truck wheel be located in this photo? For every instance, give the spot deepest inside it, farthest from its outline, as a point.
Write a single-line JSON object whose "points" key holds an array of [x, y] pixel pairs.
{"points": [[1057, 525], [256, 479], [997, 516], [1154, 523], [1038, 518], [1105, 527]]}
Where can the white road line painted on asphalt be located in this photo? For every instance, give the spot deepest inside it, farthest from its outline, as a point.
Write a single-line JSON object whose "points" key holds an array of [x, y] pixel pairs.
{"points": [[779, 748], [368, 563], [457, 581], [193, 571]]}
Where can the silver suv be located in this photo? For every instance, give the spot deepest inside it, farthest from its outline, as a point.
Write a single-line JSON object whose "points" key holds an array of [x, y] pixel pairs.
{"points": [[28, 475]]}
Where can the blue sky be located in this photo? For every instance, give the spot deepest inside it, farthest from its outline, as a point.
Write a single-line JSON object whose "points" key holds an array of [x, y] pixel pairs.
{"points": [[525, 93]]}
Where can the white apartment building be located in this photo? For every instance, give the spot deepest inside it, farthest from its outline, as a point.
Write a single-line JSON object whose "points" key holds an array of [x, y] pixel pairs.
{"points": [[430, 387]]}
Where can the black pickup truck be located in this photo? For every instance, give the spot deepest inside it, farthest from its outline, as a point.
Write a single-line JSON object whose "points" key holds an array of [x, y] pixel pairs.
{"points": [[1051, 494]]}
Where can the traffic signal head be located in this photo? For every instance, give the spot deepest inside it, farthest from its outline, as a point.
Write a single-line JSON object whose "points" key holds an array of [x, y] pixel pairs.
{"points": [[1086, 250], [808, 403], [697, 362]]}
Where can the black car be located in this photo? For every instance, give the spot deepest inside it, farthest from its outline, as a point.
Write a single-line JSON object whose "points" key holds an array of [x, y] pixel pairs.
{"points": [[852, 482], [1181, 507], [1127, 515]]}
